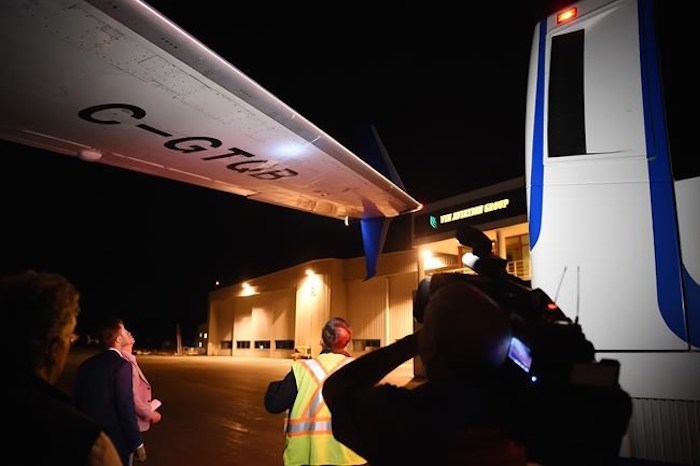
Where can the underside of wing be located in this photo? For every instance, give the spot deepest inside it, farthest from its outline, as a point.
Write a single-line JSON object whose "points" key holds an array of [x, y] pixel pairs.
{"points": [[116, 82]]}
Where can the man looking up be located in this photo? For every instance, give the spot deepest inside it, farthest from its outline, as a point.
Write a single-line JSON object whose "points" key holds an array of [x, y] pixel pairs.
{"points": [[104, 391]]}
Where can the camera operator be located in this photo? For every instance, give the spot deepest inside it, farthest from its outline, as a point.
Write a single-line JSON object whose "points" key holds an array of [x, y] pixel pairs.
{"points": [[460, 415]]}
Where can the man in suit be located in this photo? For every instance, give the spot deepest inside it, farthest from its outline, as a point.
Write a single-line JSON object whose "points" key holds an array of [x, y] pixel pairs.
{"points": [[104, 391]]}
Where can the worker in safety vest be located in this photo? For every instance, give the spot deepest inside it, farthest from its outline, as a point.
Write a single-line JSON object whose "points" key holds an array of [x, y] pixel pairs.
{"points": [[309, 435]]}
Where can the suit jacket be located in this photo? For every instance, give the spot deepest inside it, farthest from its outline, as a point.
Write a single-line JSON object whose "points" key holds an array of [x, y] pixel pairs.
{"points": [[142, 394], [104, 391]]}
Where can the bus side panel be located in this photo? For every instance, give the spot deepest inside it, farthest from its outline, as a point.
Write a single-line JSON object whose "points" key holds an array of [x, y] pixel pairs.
{"points": [[687, 197], [598, 238]]}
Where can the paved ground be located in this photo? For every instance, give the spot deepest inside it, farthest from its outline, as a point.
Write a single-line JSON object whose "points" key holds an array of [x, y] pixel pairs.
{"points": [[213, 410]]}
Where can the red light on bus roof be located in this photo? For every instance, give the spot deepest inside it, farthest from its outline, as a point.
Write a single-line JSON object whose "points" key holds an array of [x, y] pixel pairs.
{"points": [[567, 15]]}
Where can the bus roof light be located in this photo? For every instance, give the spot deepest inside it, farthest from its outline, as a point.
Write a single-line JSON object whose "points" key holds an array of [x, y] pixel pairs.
{"points": [[567, 15]]}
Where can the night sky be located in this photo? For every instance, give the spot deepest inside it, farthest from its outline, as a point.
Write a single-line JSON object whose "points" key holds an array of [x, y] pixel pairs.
{"points": [[443, 83]]}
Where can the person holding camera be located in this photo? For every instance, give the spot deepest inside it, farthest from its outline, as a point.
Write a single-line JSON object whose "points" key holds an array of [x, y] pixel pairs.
{"points": [[460, 415]]}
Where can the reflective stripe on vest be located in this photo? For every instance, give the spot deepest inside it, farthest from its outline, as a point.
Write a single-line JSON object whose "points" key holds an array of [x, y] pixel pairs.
{"points": [[308, 422]]}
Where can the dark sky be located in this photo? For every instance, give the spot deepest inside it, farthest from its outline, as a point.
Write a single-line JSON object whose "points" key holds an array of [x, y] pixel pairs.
{"points": [[443, 83]]}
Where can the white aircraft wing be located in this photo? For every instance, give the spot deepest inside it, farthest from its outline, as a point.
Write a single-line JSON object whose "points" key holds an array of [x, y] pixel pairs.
{"points": [[114, 81]]}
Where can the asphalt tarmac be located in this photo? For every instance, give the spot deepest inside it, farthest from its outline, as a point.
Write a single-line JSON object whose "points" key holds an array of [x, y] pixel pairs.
{"points": [[213, 411]]}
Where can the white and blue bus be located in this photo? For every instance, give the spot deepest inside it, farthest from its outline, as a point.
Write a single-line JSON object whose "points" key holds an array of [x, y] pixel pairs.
{"points": [[613, 199]]}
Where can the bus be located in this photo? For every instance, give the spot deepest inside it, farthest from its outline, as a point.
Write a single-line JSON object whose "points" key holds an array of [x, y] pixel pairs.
{"points": [[612, 202]]}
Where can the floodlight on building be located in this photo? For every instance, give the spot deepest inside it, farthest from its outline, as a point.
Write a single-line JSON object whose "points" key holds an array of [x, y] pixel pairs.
{"points": [[430, 261], [247, 289], [312, 282]]}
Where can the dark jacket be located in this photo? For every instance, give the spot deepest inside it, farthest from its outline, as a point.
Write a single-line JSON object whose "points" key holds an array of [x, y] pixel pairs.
{"points": [[44, 416], [104, 391], [455, 422]]}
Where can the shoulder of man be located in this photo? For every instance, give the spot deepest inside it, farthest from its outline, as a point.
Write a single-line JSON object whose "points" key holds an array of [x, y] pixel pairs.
{"points": [[79, 429], [107, 357]]}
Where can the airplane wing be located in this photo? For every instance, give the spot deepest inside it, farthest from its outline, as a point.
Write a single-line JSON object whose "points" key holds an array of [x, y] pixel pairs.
{"points": [[116, 82]]}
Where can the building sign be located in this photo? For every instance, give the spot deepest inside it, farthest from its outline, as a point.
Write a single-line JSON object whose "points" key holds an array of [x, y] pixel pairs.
{"points": [[475, 213], [469, 212]]}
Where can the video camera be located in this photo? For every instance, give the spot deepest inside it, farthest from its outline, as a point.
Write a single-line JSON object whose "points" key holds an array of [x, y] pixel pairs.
{"points": [[570, 409]]}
